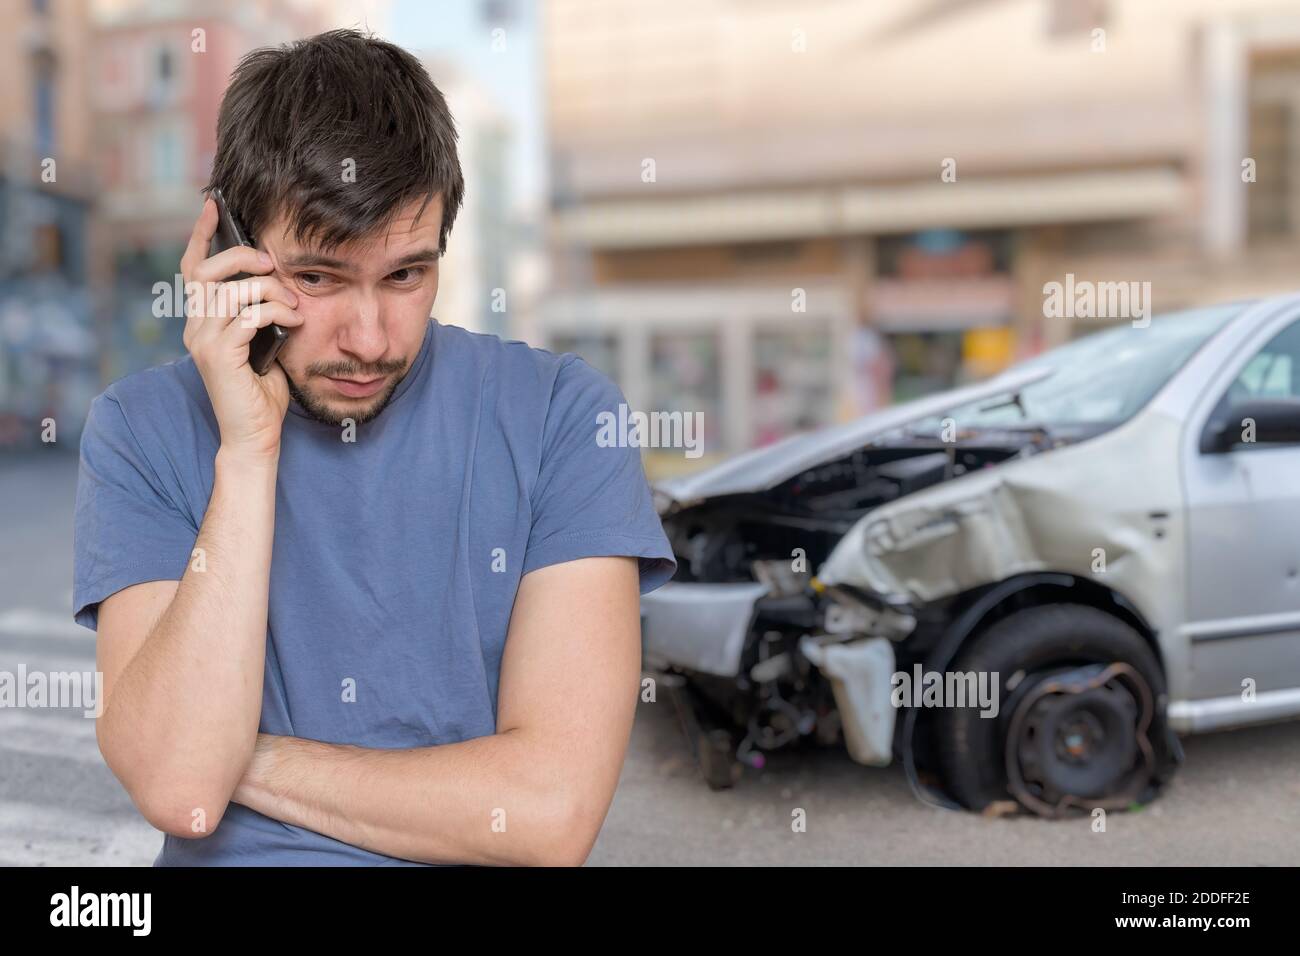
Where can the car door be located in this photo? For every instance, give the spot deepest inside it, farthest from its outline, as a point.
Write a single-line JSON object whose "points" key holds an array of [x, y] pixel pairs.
{"points": [[1243, 574]]}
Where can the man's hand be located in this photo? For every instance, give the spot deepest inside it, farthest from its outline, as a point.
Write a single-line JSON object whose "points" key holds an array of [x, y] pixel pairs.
{"points": [[535, 792], [221, 320]]}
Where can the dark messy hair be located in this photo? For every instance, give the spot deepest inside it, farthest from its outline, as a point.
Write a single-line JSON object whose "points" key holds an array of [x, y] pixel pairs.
{"points": [[293, 116]]}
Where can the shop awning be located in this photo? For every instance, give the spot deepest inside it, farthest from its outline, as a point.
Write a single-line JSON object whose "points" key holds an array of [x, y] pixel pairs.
{"points": [[984, 202]]}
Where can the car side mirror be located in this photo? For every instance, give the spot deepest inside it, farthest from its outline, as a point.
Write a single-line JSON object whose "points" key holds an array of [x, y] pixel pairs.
{"points": [[1250, 421]]}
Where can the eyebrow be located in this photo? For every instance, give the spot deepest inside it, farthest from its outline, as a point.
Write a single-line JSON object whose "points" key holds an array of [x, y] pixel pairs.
{"points": [[329, 262]]}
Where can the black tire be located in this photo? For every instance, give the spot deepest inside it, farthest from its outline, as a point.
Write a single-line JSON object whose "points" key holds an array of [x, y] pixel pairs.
{"points": [[1037, 640]]}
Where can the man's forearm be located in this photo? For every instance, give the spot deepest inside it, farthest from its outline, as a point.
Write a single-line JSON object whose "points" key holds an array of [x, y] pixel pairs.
{"points": [[491, 800], [182, 717]]}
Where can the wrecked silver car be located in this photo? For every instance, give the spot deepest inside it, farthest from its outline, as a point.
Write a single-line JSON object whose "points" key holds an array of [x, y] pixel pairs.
{"points": [[1023, 589]]}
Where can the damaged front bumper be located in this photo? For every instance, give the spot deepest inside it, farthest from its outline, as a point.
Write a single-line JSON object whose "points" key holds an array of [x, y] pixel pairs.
{"points": [[710, 629], [861, 676], [698, 627]]}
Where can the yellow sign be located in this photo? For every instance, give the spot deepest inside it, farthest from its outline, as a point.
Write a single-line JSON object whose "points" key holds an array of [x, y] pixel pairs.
{"points": [[987, 350]]}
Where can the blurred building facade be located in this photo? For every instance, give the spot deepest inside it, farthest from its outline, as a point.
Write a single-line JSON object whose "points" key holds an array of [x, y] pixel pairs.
{"points": [[108, 115], [782, 214], [48, 252], [473, 275]]}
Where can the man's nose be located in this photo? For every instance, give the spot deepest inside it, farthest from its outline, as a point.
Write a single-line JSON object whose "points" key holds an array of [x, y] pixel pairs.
{"points": [[364, 336]]}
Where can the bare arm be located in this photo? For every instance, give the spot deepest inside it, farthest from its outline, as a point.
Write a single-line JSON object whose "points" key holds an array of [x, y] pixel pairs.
{"points": [[183, 661], [534, 793]]}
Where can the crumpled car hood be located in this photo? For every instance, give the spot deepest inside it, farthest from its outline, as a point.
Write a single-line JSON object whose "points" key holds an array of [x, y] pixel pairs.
{"points": [[761, 469], [1069, 510]]}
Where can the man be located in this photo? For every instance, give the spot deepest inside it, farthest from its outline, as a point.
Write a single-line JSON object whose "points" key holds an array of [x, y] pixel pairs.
{"points": [[380, 605]]}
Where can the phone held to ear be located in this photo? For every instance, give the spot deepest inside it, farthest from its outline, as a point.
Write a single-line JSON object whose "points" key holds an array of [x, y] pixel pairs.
{"points": [[269, 339]]}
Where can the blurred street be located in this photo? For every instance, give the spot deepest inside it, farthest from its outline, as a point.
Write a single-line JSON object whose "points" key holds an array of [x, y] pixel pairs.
{"points": [[1235, 801], [59, 804]]}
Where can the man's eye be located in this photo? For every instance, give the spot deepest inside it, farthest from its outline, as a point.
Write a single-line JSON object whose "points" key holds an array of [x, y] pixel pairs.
{"points": [[406, 276], [312, 279]]}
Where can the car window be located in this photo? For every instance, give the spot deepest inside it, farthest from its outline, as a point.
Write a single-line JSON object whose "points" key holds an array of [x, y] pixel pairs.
{"points": [[1271, 373]]}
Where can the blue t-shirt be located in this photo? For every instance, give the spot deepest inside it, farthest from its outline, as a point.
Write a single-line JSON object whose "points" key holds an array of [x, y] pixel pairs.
{"points": [[396, 557]]}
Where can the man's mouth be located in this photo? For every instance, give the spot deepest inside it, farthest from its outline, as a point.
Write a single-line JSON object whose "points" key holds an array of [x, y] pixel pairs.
{"points": [[357, 387]]}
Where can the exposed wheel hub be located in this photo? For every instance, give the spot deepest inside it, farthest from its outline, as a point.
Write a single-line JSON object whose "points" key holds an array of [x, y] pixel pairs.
{"points": [[1079, 738]]}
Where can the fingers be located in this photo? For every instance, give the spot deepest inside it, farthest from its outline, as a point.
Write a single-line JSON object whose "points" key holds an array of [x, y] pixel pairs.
{"points": [[230, 262], [230, 310], [228, 298], [198, 266], [261, 314], [236, 334], [205, 227]]}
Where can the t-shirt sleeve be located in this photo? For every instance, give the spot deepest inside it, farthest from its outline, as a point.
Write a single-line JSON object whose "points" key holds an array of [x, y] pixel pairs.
{"points": [[591, 498], [127, 528]]}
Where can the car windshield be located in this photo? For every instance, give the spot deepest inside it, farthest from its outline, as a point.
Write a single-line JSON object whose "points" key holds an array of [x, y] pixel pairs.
{"points": [[1102, 379]]}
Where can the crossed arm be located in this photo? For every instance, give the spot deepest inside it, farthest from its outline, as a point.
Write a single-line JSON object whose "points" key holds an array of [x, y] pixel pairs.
{"points": [[183, 666], [536, 791]]}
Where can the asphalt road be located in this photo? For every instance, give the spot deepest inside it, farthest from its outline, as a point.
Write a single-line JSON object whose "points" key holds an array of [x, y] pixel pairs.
{"points": [[1235, 801]]}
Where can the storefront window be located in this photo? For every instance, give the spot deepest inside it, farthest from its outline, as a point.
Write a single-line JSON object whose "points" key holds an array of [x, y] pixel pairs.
{"points": [[792, 383], [685, 373]]}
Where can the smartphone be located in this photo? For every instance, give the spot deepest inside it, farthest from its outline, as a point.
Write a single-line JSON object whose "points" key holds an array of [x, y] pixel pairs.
{"points": [[269, 339]]}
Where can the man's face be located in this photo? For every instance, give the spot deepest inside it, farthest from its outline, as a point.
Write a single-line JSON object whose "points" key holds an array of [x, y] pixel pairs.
{"points": [[365, 308]]}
